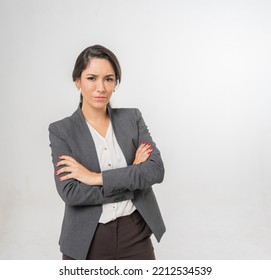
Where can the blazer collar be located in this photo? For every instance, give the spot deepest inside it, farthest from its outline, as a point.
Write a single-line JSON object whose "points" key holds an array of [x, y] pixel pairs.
{"points": [[120, 134], [89, 158], [79, 113]]}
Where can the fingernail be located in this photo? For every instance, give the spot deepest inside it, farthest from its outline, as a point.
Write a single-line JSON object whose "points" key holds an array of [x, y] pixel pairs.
{"points": [[143, 143], [149, 152], [60, 179], [57, 164], [149, 144], [56, 173]]}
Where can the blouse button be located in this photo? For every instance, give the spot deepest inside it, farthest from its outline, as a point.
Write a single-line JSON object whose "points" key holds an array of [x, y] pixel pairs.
{"points": [[105, 148], [109, 164]]}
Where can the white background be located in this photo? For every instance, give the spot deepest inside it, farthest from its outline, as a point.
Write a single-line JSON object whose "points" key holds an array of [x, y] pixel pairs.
{"points": [[199, 71]]}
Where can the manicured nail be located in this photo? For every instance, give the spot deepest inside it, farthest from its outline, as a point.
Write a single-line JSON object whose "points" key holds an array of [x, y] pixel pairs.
{"points": [[149, 153], [149, 144], [56, 173], [60, 179], [143, 143]]}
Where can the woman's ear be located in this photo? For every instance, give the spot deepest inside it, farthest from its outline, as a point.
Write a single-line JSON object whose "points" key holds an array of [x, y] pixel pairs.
{"points": [[78, 84]]}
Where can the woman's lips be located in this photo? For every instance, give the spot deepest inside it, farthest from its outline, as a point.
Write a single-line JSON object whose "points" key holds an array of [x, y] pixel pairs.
{"points": [[100, 97]]}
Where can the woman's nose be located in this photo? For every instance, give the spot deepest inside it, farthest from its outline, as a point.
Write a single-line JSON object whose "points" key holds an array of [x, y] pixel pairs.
{"points": [[100, 86]]}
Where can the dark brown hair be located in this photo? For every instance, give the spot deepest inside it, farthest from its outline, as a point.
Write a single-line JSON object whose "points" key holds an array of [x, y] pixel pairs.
{"points": [[97, 51]]}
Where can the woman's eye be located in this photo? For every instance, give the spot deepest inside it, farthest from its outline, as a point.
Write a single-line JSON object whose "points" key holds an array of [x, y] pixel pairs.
{"points": [[111, 80], [91, 78]]}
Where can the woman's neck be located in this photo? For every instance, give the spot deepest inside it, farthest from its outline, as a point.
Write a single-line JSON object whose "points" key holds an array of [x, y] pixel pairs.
{"points": [[93, 115]]}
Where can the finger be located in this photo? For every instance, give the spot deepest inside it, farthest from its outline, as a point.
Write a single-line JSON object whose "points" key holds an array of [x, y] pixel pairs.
{"points": [[146, 147], [62, 162], [63, 170], [69, 158], [66, 177], [146, 151], [141, 146], [143, 152], [65, 162], [146, 154], [145, 158], [144, 144]]}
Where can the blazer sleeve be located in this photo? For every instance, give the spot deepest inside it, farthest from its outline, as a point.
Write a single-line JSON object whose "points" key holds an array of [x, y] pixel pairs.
{"points": [[73, 192], [140, 176]]}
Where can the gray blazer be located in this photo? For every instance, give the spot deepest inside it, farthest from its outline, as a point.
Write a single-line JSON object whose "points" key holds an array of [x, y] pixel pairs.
{"points": [[83, 204]]}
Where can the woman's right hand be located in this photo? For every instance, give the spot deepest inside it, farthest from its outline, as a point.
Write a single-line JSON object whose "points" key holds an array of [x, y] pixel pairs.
{"points": [[142, 153]]}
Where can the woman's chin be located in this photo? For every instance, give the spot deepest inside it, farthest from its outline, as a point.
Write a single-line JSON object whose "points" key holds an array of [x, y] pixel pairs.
{"points": [[96, 105]]}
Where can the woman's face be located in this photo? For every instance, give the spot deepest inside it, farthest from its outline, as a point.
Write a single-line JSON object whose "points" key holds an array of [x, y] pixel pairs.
{"points": [[97, 83]]}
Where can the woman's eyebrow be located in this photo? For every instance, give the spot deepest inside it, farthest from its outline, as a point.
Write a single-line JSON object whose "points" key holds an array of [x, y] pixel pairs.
{"points": [[94, 75]]}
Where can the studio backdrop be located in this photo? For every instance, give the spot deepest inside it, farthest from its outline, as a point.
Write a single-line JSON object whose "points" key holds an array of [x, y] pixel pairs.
{"points": [[199, 71]]}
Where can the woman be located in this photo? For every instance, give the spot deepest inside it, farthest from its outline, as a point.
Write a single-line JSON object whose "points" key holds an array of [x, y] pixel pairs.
{"points": [[105, 165]]}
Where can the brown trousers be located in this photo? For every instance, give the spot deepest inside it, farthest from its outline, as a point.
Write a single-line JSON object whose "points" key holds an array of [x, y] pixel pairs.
{"points": [[126, 238]]}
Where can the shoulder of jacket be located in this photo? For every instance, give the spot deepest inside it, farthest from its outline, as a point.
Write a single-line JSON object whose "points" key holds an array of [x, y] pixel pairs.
{"points": [[125, 111], [66, 122]]}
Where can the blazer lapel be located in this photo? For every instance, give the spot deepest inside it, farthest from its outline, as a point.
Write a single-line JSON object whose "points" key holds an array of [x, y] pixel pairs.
{"points": [[89, 157], [122, 135]]}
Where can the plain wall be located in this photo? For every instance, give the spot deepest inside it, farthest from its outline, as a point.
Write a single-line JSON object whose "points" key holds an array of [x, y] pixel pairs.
{"points": [[199, 71]]}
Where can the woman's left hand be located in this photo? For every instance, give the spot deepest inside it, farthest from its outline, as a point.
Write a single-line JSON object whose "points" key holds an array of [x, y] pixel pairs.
{"points": [[77, 171]]}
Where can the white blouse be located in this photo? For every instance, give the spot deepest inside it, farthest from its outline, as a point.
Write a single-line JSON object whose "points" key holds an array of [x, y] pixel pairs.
{"points": [[110, 156]]}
